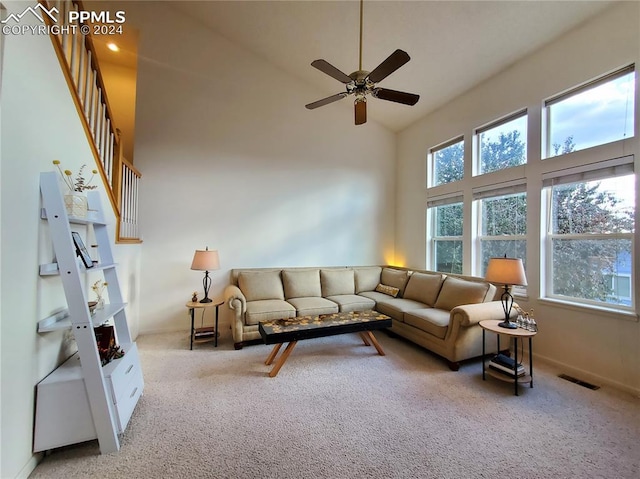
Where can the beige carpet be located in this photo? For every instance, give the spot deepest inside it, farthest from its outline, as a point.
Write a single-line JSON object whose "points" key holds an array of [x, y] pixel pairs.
{"points": [[338, 410]]}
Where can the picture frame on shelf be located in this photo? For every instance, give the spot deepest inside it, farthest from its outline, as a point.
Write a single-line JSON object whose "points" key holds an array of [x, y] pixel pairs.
{"points": [[81, 250]]}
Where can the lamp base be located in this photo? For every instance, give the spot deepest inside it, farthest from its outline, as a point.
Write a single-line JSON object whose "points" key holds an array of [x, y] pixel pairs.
{"points": [[206, 300], [508, 324]]}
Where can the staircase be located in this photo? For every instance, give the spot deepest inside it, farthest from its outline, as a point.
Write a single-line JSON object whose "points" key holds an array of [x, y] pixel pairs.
{"points": [[79, 63]]}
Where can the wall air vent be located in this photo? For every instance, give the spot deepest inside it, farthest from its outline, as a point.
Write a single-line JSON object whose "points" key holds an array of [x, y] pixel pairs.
{"points": [[579, 382]]}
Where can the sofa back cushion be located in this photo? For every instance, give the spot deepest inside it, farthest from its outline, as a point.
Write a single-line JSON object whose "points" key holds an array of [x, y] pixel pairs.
{"points": [[260, 285], [456, 291], [396, 278], [335, 282], [302, 283], [424, 287], [367, 278]]}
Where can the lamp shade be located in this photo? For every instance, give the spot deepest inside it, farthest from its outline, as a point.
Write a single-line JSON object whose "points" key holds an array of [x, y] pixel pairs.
{"points": [[508, 271], [205, 260]]}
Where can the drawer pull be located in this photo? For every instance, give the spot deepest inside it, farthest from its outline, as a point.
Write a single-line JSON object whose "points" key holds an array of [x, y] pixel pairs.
{"points": [[133, 393], [129, 369]]}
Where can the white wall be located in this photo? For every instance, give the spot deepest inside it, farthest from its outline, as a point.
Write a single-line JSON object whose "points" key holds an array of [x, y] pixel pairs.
{"points": [[232, 160], [39, 124], [598, 347]]}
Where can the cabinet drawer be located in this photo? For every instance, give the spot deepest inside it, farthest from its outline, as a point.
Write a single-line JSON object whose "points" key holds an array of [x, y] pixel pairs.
{"points": [[126, 402], [126, 369]]}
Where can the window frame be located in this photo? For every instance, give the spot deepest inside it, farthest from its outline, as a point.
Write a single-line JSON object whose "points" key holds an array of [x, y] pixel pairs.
{"points": [[480, 195], [545, 140], [596, 172], [431, 163], [477, 140], [432, 229]]}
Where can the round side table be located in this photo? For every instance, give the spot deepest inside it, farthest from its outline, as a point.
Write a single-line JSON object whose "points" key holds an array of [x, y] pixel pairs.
{"points": [[491, 325]]}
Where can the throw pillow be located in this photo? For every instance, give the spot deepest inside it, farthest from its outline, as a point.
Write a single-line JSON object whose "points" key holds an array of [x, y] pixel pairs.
{"points": [[457, 291], [260, 285], [424, 287], [367, 278], [390, 290], [337, 282], [301, 283], [396, 278]]}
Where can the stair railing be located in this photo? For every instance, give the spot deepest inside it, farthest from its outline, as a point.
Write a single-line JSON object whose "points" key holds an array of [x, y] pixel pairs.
{"points": [[77, 55]]}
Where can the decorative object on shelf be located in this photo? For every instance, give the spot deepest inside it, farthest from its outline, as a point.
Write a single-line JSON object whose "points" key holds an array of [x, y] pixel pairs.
{"points": [[205, 261], [508, 272], [98, 288], [194, 296], [75, 201], [106, 342], [81, 250], [92, 307]]}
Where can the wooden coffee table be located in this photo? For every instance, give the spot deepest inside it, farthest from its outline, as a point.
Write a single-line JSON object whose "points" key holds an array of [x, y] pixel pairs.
{"points": [[292, 330]]}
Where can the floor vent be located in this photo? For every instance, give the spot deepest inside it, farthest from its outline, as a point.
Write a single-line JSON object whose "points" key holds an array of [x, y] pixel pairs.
{"points": [[579, 382]]}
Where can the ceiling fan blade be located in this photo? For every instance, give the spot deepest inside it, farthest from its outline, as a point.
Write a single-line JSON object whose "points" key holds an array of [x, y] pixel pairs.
{"points": [[391, 64], [325, 101], [396, 96], [326, 67], [361, 112]]}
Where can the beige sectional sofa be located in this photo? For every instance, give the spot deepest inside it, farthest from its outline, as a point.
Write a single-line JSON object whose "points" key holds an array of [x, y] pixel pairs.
{"points": [[437, 311]]}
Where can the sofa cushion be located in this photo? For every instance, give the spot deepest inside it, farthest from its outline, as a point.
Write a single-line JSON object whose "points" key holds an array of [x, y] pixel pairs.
{"points": [[367, 278], [396, 307], [388, 290], [430, 320], [352, 302], [301, 284], [268, 309], [337, 281], [313, 306], [259, 285], [457, 291], [424, 287], [396, 278]]}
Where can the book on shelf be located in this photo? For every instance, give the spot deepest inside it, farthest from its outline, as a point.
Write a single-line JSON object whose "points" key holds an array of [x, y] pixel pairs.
{"points": [[504, 360], [505, 370]]}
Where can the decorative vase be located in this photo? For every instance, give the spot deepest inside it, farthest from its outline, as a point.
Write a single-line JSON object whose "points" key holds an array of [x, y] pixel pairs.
{"points": [[76, 204]]}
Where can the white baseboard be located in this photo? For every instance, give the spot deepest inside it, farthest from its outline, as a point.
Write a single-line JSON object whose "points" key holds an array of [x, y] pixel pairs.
{"points": [[586, 375], [30, 465]]}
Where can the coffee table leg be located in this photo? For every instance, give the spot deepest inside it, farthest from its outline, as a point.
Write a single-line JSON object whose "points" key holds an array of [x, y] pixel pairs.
{"points": [[273, 353], [364, 339], [375, 343], [283, 358]]}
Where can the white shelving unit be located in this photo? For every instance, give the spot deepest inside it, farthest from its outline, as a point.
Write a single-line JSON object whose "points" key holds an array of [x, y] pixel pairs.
{"points": [[81, 400]]}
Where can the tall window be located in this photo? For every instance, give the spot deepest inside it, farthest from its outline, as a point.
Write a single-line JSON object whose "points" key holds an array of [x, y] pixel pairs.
{"points": [[446, 163], [503, 144], [597, 113], [590, 236], [445, 225], [502, 227]]}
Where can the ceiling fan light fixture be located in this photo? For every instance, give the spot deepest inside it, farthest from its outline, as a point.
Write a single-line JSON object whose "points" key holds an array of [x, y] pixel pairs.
{"points": [[362, 83]]}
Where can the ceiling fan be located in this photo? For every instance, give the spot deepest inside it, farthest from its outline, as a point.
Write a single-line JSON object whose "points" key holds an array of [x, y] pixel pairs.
{"points": [[362, 83]]}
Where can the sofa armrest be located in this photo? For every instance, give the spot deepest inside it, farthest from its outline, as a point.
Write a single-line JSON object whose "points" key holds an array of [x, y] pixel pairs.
{"points": [[235, 299], [470, 314]]}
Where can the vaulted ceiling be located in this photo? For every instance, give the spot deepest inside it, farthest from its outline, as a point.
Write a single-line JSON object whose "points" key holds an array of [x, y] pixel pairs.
{"points": [[453, 45]]}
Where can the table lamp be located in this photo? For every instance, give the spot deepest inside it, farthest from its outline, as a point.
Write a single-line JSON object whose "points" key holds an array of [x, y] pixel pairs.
{"points": [[508, 272], [205, 261]]}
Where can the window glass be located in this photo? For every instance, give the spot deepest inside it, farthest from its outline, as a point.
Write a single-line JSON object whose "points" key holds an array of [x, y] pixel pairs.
{"points": [[448, 164], [503, 146], [502, 228], [594, 115], [446, 255], [591, 236]]}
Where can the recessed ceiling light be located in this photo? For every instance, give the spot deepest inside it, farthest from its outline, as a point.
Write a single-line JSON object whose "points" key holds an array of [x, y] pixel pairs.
{"points": [[113, 47]]}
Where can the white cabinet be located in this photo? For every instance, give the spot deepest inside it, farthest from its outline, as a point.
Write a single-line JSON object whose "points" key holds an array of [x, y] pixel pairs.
{"points": [[82, 400]]}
